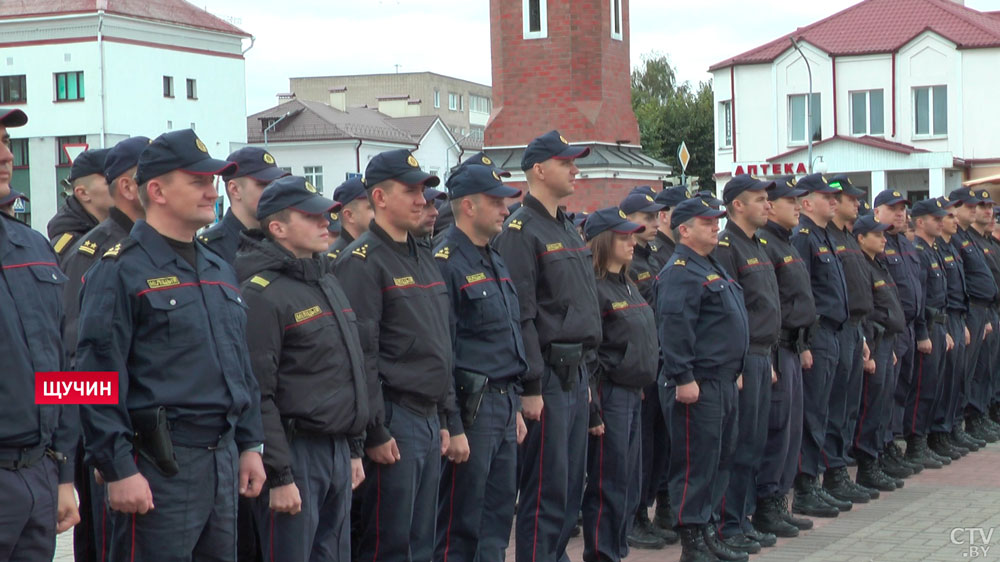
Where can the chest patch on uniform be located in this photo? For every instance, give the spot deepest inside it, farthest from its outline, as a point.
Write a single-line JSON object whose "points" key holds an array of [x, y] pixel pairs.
{"points": [[753, 261], [307, 313], [161, 282], [260, 281], [516, 224], [553, 246], [60, 244], [879, 283], [986, 250], [88, 248], [712, 277], [965, 243], [619, 305], [361, 251], [443, 253], [644, 275], [824, 250], [949, 259], [475, 277], [890, 252], [788, 259], [403, 281], [841, 248], [934, 265]]}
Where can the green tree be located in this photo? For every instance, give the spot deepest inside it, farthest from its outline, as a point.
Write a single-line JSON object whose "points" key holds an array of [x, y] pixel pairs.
{"points": [[669, 113]]}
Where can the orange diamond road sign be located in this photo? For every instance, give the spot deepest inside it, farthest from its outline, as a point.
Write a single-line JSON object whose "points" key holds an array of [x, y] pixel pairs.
{"points": [[683, 155]]}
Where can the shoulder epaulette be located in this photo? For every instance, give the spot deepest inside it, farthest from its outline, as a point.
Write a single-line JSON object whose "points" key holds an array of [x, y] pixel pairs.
{"points": [[62, 242], [210, 235], [119, 248], [361, 251], [261, 280], [724, 241], [516, 221], [804, 230], [443, 253], [762, 240], [88, 248], [680, 261], [333, 255]]}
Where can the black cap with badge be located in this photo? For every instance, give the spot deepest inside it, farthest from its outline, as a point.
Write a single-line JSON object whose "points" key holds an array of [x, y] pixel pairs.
{"points": [[431, 195], [399, 165], [671, 196], [13, 117], [784, 186], [550, 145], [844, 183], [123, 157], [293, 192], [613, 219], [89, 162], [816, 183], [869, 223], [890, 197], [349, 191], [255, 163], [479, 179], [481, 159], [179, 150], [641, 200], [691, 208], [741, 183], [932, 207]]}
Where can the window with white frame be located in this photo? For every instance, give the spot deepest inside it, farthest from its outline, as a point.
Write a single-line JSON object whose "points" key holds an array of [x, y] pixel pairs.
{"points": [[798, 115], [867, 113], [616, 19], [535, 18], [314, 175], [726, 124], [480, 104], [437, 99], [477, 133], [453, 101], [930, 110]]}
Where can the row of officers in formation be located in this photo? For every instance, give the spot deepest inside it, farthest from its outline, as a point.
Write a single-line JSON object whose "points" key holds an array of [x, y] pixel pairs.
{"points": [[348, 379]]}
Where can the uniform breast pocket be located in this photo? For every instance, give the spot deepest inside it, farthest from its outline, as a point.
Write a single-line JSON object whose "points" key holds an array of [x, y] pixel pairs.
{"points": [[485, 304], [48, 287], [177, 318], [825, 258], [718, 294], [893, 259], [236, 309]]}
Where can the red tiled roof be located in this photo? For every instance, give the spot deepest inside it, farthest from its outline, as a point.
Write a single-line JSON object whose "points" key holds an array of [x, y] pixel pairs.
{"points": [[875, 142], [179, 12], [883, 26]]}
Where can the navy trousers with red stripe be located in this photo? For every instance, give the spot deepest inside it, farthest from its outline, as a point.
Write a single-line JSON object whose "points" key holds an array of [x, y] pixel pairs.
{"points": [[28, 511], [476, 502], [845, 398], [926, 387], [194, 515], [321, 531], [784, 428], [817, 384], [876, 398], [399, 509], [613, 462], [976, 321], [703, 439], [740, 500], [951, 378], [553, 462], [655, 448]]}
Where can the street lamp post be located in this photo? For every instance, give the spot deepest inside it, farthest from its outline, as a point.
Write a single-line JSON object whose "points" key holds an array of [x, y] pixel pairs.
{"points": [[809, 103], [272, 126]]}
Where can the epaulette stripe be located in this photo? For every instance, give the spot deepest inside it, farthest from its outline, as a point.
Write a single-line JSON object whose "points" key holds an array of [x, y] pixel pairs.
{"points": [[60, 244]]}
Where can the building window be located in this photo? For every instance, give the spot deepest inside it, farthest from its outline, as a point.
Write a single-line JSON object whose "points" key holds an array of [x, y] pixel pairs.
{"points": [[13, 89], [726, 124], [168, 86], [616, 19], [192, 89], [314, 175], [535, 18], [437, 99], [480, 104], [930, 110], [477, 133], [61, 143], [69, 86], [286, 169], [867, 113], [454, 101], [798, 111], [20, 149]]}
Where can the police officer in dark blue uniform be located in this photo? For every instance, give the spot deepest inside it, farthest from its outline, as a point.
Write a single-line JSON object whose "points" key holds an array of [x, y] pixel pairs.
{"points": [[625, 364], [884, 323], [943, 439], [798, 312], [744, 257], [663, 245], [845, 396], [476, 507], [560, 324], [822, 353], [696, 300], [982, 291], [401, 302], [904, 264], [36, 441], [85, 207], [355, 213], [167, 315], [929, 367], [255, 168], [446, 218], [307, 357]]}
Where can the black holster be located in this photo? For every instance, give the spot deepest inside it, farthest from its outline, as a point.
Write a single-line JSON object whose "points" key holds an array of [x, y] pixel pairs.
{"points": [[564, 360], [152, 439], [469, 390], [878, 331]]}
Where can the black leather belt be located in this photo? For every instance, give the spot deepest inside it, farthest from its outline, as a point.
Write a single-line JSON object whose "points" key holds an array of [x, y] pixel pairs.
{"points": [[18, 458]]}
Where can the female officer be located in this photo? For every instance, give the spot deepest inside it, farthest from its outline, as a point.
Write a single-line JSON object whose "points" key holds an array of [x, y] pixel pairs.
{"points": [[624, 363]]}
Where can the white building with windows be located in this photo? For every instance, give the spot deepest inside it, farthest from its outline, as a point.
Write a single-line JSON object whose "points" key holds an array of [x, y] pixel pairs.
{"points": [[99, 71], [903, 96]]}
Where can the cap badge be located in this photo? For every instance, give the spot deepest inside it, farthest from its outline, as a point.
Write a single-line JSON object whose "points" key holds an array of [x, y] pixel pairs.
{"points": [[939, 203], [621, 213], [985, 195], [705, 203], [563, 139], [412, 161], [334, 216], [201, 146], [896, 194], [945, 198], [495, 176], [649, 198], [824, 180], [310, 188], [486, 160], [268, 159]]}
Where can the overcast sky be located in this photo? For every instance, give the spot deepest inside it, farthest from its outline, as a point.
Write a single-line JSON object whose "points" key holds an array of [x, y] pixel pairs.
{"points": [[452, 37]]}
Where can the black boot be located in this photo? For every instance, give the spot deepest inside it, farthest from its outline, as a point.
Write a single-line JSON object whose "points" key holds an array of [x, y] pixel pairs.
{"points": [[721, 550], [742, 543], [964, 435], [768, 518], [899, 458], [918, 452], [837, 483], [808, 502], [802, 523], [960, 437], [669, 536], [936, 442], [642, 535], [975, 424], [995, 412], [693, 545], [927, 451], [765, 539], [663, 516], [870, 476], [841, 505], [872, 492], [890, 464]]}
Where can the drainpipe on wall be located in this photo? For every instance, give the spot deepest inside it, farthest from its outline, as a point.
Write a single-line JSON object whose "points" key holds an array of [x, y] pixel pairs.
{"points": [[357, 155], [101, 4]]}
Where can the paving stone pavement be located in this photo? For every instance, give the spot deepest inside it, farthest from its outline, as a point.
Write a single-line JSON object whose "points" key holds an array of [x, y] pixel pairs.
{"points": [[940, 515]]}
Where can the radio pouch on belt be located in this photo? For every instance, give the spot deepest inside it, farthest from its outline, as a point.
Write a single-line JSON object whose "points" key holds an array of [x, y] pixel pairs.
{"points": [[152, 439], [564, 360], [469, 389]]}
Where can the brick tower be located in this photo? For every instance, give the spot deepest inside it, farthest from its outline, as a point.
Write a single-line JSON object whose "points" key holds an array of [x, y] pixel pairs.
{"points": [[564, 64]]}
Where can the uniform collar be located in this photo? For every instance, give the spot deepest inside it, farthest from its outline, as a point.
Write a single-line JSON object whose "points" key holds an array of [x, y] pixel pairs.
{"points": [[735, 230], [411, 242], [775, 228], [464, 245], [693, 256], [534, 204], [121, 219], [664, 238], [805, 221], [642, 250], [232, 224], [161, 253]]}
